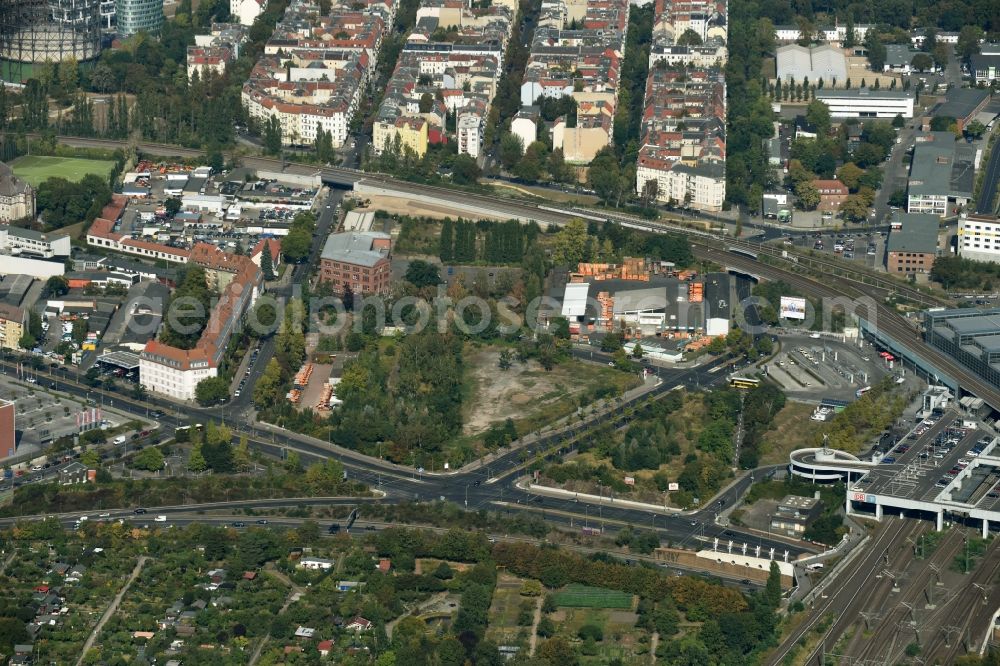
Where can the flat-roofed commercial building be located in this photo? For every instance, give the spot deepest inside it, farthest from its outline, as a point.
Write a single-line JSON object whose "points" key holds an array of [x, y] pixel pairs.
{"points": [[969, 335], [867, 103], [942, 175], [979, 237], [912, 247]]}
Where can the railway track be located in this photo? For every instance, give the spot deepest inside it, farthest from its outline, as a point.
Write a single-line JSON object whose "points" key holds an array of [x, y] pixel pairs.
{"points": [[885, 636], [951, 623], [855, 577]]}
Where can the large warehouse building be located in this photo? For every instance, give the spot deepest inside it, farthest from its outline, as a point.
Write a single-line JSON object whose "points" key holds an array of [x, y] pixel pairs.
{"points": [[796, 63]]}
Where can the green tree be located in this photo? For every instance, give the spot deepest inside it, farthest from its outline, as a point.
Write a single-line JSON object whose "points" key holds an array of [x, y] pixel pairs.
{"points": [[849, 175], [295, 245], [426, 103], [968, 42], [975, 129], [80, 329], [55, 286], [818, 115], [604, 176], [922, 62], [267, 262], [196, 461], [465, 170], [850, 36], [149, 459], [211, 391], [446, 242], [172, 206], [511, 150], [272, 136], [808, 195], [689, 38], [772, 592], [422, 274], [267, 392], [570, 243], [855, 208], [898, 122], [876, 50]]}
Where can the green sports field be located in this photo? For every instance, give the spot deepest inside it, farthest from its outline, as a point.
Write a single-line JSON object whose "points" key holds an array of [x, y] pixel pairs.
{"points": [[36, 168], [582, 596]]}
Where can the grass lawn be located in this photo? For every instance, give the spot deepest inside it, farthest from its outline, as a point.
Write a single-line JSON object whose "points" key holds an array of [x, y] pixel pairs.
{"points": [[36, 168], [792, 429], [583, 596]]}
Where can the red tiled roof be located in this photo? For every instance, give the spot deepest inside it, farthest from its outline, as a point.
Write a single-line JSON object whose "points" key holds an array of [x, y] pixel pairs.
{"points": [[272, 243]]}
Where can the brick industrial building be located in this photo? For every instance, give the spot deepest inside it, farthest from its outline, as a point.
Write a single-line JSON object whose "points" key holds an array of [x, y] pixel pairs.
{"points": [[358, 259]]}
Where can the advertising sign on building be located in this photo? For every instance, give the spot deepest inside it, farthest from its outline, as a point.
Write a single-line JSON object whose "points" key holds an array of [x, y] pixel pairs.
{"points": [[793, 308]]}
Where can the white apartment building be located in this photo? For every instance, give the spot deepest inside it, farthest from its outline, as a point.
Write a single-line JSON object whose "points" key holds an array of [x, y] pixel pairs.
{"points": [[247, 11], [867, 103], [470, 133], [979, 238], [207, 60], [702, 186], [173, 372], [300, 122]]}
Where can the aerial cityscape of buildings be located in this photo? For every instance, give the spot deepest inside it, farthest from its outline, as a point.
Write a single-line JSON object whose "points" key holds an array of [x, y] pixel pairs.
{"points": [[334, 331]]}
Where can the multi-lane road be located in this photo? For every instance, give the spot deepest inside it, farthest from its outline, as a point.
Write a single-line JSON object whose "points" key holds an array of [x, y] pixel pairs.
{"points": [[492, 484]]}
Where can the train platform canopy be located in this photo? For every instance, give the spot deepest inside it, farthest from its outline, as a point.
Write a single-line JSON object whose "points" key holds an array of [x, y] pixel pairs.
{"points": [[120, 359]]}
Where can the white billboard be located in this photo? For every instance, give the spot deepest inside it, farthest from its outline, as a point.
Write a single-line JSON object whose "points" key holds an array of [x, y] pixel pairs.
{"points": [[793, 308]]}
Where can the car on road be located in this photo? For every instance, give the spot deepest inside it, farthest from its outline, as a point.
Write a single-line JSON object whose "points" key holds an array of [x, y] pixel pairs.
{"points": [[262, 521], [239, 523], [139, 512]]}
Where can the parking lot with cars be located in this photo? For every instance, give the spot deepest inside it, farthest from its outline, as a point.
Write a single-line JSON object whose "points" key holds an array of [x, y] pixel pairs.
{"points": [[866, 247], [813, 368]]}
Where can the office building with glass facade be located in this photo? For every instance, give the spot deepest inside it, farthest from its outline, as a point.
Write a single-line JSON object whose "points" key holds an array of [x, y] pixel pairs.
{"points": [[135, 16], [969, 335]]}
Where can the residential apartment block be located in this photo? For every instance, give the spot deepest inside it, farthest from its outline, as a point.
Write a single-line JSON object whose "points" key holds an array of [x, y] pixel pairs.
{"points": [[359, 260], [176, 372], [577, 51], [450, 67], [682, 152], [316, 68], [211, 53]]}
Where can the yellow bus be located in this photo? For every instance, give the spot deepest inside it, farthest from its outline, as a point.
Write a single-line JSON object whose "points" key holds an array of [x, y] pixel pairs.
{"points": [[744, 382]]}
